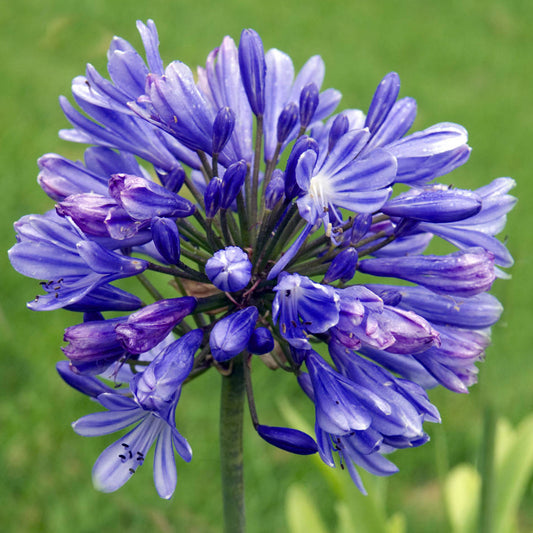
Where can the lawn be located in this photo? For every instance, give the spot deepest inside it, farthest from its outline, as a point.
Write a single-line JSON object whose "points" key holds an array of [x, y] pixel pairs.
{"points": [[464, 61]]}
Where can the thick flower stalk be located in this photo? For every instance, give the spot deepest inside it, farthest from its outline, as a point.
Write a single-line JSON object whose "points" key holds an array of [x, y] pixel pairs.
{"points": [[268, 211]]}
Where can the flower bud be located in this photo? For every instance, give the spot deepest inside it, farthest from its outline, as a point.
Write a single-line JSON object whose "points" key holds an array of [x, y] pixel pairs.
{"points": [[93, 346], [253, 69], [156, 387], [231, 334], [88, 211], [261, 341], [342, 267], [222, 128], [212, 197], [275, 189], [434, 204], [360, 227], [173, 179], [339, 127], [286, 121], [166, 238], [290, 440], [147, 327], [232, 182], [144, 199], [308, 104], [229, 269], [463, 273]]}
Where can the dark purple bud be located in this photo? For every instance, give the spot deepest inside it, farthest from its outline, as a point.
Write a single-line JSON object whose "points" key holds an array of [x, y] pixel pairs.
{"points": [[232, 182], [157, 387], [342, 267], [166, 238], [147, 327], [275, 189], [213, 197], [434, 204], [144, 199], [88, 211], [286, 121], [230, 335], [222, 128], [229, 269], [300, 146], [261, 341], [308, 104], [290, 440], [253, 69], [173, 179], [360, 227], [340, 126], [93, 346]]}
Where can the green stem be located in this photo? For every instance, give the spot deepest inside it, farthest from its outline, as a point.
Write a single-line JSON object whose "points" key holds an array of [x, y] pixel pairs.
{"points": [[231, 456], [255, 175], [147, 284], [486, 511]]}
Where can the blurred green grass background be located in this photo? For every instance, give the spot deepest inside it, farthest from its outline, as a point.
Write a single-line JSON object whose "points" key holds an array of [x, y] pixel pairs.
{"points": [[464, 61]]}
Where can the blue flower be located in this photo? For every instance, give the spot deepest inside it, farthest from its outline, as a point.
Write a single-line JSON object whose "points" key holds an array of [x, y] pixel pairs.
{"points": [[268, 215], [295, 307], [229, 269]]}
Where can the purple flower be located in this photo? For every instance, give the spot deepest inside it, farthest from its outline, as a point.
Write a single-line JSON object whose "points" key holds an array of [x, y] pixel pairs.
{"points": [[462, 273], [190, 171], [146, 328], [52, 249], [93, 346], [156, 392], [479, 230]]}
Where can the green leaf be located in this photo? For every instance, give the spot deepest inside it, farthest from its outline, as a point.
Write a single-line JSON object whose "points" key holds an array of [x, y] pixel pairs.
{"points": [[512, 475], [302, 514], [461, 495]]}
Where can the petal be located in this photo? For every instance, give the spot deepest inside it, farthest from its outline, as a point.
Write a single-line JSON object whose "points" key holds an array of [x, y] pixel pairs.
{"points": [[165, 474], [118, 462], [106, 422]]}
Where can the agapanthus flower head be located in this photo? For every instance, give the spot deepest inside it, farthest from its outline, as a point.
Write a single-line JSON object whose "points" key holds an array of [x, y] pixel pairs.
{"points": [[269, 214]]}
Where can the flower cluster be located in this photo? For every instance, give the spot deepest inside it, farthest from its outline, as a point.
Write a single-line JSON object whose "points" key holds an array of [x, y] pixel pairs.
{"points": [[268, 210]]}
